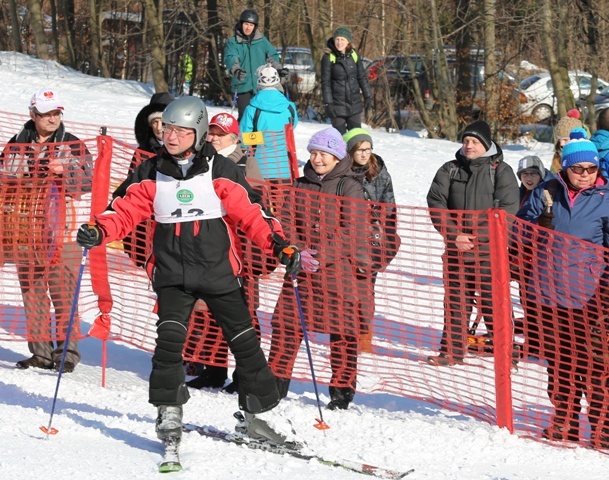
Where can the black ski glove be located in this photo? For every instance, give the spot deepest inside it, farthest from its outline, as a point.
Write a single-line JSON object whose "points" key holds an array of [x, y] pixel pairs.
{"points": [[288, 255], [367, 103], [330, 113], [240, 74], [89, 236], [545, 220]]}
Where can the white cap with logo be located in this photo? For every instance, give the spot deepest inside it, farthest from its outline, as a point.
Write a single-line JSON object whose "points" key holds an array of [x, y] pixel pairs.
{"points": [[46, 100]]}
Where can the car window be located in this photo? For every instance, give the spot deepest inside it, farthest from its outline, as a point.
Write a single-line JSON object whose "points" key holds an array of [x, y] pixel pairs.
{"points": [[527, 82], [585, 83]]}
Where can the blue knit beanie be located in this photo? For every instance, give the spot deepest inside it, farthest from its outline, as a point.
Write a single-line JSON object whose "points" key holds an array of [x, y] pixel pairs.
{"points": [[328, 140], [579, 149]]}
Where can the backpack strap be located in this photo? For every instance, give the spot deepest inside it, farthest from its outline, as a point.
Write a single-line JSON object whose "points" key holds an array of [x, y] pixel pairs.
{"points": [[454, 169], [255, 120]]}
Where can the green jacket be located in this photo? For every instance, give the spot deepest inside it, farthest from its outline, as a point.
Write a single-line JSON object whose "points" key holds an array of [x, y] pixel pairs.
{"points": [[248, 54]]}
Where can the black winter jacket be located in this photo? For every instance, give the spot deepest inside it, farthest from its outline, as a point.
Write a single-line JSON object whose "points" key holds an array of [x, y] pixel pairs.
{"points": [[341, 81], [462, 184], [195, 248]]}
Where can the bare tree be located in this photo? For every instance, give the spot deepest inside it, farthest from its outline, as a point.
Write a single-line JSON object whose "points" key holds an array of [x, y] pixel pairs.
{"points": [[42, 47], [154, 9], [15, 26]]}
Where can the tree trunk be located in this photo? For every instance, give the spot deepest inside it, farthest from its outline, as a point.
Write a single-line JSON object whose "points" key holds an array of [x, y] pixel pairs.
{"points": [[491, 83], [591, 32], [15, 26], [157, 44], [66, 30], [42, 48]]}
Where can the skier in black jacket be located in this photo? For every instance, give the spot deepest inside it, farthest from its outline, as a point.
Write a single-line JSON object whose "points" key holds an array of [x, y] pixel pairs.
{"points": [[198, 199]]}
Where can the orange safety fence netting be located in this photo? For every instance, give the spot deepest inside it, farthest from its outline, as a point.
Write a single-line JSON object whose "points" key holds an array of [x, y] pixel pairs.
{"points": [[525, 309]]}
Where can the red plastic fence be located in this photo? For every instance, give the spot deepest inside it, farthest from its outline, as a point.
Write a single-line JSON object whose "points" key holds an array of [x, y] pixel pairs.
{"points": [[512, 282]]}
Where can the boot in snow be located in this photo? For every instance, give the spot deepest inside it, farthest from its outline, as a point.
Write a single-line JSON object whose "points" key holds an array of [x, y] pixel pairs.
{"points": [[341, 397], [169, 421], [269, 426]]}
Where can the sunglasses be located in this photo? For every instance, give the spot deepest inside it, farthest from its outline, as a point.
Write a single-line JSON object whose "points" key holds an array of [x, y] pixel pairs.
{"points": [[578, 169]]}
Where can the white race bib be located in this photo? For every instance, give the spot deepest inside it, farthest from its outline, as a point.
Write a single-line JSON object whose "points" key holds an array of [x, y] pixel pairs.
{"points": [[186, 200]]}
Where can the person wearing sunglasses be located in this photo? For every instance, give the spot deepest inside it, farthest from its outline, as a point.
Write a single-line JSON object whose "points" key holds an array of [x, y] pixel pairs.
{"points": [[569, 285]]}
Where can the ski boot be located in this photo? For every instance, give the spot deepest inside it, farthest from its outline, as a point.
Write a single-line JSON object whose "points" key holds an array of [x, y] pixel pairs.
{"points": [[267, 426], [169, 422]]}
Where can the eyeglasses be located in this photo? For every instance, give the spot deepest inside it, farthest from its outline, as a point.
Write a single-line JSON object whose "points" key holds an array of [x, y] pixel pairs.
{"points": [[54, 113], [361, 151], [179, 131], [578, 169], [530, 174]]}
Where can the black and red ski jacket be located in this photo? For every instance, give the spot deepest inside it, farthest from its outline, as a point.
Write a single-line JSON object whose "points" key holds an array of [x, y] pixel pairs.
{"points": [[195, 244]]}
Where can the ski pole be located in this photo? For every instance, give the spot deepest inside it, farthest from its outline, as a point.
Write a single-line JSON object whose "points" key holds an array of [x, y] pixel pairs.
{"points": [[320, 425], [48, 429], [234, 103]]}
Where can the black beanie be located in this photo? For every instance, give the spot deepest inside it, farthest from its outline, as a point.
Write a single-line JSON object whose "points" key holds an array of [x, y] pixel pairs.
{"points": [[481, 130]]}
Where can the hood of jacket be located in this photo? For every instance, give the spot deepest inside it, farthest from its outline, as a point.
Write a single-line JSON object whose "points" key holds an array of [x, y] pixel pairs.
{"points": [[242, 38], [270, 100]]}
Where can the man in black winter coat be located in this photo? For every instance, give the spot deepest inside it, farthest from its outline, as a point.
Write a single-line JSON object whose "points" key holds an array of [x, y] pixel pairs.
{"points": [[478, 179], [43, 149]]}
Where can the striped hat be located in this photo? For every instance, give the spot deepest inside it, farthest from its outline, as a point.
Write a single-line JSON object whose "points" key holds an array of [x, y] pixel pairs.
{"points": [[579, 149]]}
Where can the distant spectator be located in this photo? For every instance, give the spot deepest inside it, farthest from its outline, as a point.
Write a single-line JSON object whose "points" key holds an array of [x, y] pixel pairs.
{"points": [[476, 180], [186, 68], [342, 77], [269, 109], [531, 173], [561, 136], [148, 131], [567, 277], [245, 52], [52, 152], [378, 189], [601, 141]]}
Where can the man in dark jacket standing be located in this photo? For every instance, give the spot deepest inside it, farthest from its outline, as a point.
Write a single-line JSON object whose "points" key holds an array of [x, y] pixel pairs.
{"points": [[478, 179], [44, 146], [342, 77], [245, 52]]}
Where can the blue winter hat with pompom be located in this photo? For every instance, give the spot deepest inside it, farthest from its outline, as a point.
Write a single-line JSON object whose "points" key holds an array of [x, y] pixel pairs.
{"points": [[579, 149], [330, 141]]}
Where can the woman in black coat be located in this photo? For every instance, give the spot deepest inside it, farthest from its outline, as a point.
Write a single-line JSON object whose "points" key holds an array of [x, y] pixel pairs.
{"points": [[342, 76]]}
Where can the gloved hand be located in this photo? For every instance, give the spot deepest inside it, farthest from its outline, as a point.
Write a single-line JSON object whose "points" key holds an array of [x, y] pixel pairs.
{"points": [[367, 103], [239, 74], [283, 72], [329, 111], [545, 220], [309, 264], [287, 254], [89, 236]]}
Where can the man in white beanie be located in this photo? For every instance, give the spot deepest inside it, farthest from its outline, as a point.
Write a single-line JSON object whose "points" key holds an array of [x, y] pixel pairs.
{"points": [[43, 146]]}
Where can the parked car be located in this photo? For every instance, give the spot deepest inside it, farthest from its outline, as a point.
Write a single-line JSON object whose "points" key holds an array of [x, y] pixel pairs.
{"points": [[537, 93], [299, 61], [396, 69], [395, 74], [601, 102]]}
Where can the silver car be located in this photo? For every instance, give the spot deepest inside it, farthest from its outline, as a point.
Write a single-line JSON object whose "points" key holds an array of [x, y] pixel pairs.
{"points": [[299, 61]]}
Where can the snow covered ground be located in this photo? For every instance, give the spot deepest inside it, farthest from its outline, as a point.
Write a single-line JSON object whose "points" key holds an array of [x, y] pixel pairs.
{"points": [[109, 432]]}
